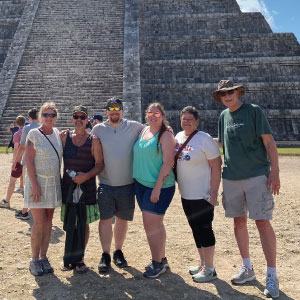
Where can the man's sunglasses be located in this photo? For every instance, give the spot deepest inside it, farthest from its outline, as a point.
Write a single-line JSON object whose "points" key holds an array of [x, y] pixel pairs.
{"points": [[112, 108], [156, 114], [45, 115], [76, 117], [223, 93]]}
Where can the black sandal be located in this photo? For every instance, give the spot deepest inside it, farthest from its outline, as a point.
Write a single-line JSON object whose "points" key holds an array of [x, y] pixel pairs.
{"points": [[79, 266]]}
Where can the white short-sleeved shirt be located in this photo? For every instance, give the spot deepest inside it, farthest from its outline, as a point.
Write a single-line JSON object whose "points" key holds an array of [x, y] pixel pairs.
{"points": [[193, 170]]}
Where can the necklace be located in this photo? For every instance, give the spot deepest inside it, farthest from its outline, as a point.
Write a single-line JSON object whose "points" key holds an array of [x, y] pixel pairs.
{"points": [[77, 142]]}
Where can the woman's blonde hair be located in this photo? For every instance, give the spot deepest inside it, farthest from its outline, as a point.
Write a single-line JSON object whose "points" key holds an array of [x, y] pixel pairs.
{"points": [[165, 123], [48, 105]]}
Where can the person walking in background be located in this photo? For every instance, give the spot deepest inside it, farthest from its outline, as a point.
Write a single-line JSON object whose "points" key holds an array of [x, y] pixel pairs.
{"points": [[198, 165], [248, 181], [12, 129], [17, 172], [116, 189], [33, 123], [83, 156], [155, 183], [43, 152]]}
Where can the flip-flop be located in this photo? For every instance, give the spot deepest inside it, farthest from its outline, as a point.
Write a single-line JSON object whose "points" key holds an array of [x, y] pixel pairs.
{"points": [[81, 268], [66, 269]]}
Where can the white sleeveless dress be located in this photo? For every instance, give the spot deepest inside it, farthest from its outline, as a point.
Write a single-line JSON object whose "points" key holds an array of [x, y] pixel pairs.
{"points": [[47, 170]]}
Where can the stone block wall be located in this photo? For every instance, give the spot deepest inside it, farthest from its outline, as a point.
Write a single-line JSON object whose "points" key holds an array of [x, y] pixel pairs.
{"points": [[187, 47]]}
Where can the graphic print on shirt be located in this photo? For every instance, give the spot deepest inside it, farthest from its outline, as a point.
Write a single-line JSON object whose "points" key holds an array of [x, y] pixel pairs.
{"points": [[184, 155]]}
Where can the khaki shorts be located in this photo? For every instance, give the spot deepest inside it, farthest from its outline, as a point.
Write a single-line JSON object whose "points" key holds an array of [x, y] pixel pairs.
{"points": [[252, 194]]}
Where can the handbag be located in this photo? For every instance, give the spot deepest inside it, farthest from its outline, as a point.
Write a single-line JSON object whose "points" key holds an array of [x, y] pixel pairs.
{"points": [[179, 152], [18, 171]]}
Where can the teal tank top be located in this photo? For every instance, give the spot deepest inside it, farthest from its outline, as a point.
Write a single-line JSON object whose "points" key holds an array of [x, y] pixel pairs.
{"points": [[147, 162]]}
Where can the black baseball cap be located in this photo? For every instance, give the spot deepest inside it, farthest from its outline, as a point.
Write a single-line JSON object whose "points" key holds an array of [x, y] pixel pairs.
{"points": [[97, 117], [114, 101]]}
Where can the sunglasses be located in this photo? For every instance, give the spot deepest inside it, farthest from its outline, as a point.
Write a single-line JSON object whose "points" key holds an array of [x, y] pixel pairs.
{"points": [[156, 114], [76, 117], [223, 93], [45, 115], [112, 108]]}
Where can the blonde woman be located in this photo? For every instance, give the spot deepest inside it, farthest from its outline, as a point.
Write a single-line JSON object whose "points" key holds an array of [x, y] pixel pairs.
{"points": [[42, 184]]}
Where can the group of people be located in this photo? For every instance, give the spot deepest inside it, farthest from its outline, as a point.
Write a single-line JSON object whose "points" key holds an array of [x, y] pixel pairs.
{"points": [[132, 159]]}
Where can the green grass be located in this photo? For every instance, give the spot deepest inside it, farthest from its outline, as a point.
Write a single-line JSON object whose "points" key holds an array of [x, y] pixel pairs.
{"points": [[289, 151], [281, 151], [3, 149]]}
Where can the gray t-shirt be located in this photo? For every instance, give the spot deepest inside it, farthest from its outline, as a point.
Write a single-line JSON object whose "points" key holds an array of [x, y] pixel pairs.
{"points": [[25, 131], [117, 144]]}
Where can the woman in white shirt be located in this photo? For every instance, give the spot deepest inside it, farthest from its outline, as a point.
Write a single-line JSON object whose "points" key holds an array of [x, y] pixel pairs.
{"points": [[199, 176], [42, 185]]}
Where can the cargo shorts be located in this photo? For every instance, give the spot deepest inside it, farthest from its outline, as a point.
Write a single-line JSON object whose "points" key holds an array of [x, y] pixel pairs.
{"points": [[248, 195]]}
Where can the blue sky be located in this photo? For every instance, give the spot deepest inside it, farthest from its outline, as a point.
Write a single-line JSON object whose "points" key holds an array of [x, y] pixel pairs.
{"points": [[282, 15]]}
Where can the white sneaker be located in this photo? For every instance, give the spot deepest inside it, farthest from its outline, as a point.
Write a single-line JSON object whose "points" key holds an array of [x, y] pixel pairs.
{"points": [[243, 275]]}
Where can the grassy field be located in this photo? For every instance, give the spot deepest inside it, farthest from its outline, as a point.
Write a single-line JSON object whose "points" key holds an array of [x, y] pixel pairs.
{"points": [[281, 151]]}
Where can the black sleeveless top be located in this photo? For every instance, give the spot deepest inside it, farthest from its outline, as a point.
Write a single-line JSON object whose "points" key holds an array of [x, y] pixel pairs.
{"points": [[79, 159]]}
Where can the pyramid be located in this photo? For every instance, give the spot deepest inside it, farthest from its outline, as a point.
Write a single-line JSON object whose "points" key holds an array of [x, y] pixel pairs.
{"points": [[169, 51]]}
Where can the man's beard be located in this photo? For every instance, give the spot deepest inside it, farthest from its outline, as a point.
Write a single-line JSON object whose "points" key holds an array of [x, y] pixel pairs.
{"points": [[115, 119]]}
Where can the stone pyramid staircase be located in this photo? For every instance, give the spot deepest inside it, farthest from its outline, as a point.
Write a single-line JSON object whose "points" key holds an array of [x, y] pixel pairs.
{"points": [[10, 14], [74, 55], [186, 47]]}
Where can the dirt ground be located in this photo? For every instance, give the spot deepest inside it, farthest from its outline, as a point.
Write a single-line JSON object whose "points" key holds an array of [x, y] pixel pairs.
{"points": [[17, 283]]}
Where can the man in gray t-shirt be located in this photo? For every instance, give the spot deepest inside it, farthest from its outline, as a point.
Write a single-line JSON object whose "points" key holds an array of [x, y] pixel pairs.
{"points": [[116, 188], [33, 120]]}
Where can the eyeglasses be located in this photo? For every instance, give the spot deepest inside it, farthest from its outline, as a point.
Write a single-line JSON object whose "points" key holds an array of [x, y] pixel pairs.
{"points": [[45, 115], [223, 93], [156, 114], [188, 120], [112, 108], [76, 117]]}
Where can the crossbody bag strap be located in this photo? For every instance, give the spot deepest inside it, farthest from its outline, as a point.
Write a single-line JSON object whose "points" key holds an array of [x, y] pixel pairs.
{"points": [[51, 145], [182, 147]]}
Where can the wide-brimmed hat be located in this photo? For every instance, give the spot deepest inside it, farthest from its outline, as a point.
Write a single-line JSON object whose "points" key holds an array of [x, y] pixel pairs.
{"points": [[80, 108], [227, 85]]}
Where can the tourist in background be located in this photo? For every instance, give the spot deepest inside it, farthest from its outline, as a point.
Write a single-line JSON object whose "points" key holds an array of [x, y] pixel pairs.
{"points": [[33, 123], [97, 119], [198, 165], [83, 156], [12, 129], [17, 172], [42, 185], [248, 181], [154, 183]]}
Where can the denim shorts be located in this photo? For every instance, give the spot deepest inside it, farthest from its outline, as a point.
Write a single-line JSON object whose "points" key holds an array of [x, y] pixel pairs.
{"points": [[116, 201], [143, 194]]}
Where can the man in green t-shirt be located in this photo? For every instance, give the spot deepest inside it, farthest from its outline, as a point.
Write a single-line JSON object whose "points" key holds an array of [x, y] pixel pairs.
{"points": [[250, 176]]}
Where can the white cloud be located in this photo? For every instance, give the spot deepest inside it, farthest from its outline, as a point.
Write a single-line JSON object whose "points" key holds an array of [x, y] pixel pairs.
{"points": [[257, 5]]}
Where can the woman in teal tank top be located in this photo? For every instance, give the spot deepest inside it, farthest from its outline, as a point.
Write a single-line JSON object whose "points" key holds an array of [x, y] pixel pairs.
{"points": [[154, 182]]}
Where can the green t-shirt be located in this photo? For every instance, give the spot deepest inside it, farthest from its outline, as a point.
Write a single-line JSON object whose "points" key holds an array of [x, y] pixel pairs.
{"points": [[240, 133]]}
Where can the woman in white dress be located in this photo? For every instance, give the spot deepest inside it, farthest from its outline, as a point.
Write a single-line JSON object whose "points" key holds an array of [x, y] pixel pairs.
{"points": [[42, 185]]}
